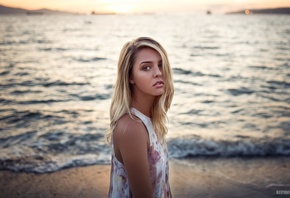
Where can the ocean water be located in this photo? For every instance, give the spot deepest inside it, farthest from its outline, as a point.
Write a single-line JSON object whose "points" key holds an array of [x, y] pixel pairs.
{"points": [[231, 76]]}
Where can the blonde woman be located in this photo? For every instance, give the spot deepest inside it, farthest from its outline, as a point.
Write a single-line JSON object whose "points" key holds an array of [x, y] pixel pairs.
{"points": [[142, 97]]}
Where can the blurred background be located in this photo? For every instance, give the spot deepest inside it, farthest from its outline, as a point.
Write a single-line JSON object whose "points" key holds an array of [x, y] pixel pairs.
{"points": [[231, 66]]}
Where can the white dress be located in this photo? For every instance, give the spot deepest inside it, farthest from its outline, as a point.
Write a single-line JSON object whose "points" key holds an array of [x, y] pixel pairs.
{"points": [[158, 165]]}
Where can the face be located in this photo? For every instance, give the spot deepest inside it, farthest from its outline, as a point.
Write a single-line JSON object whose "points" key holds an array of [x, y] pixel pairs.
{"points": [[147, 78]]}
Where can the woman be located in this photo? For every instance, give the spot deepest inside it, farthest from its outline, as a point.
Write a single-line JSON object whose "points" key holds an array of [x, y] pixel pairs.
{"points": [[142, 97]]}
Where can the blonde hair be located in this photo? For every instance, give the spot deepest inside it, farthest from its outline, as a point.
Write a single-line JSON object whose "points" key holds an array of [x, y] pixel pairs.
{"points": [[122, 97]]}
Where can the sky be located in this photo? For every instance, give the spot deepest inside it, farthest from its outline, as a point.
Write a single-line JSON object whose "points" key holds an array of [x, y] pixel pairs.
{"points": [[146, 6]]}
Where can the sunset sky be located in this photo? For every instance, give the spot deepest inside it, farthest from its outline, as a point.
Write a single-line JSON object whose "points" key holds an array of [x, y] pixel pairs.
{"points": [[139, 6]]}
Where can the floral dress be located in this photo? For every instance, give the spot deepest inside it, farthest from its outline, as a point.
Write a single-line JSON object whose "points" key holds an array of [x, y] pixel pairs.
{"points": [[158, 165]]}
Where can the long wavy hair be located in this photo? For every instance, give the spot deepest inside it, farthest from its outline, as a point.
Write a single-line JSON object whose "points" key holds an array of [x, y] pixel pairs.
{"points": [[123, 96]]}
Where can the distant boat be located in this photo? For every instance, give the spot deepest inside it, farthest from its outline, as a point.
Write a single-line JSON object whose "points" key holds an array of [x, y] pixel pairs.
{"points": [[102, 13], [34, 13], [208, 12]]}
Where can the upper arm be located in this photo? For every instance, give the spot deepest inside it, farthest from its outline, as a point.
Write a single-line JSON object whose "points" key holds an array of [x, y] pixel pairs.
{"points": [[131, 138]]}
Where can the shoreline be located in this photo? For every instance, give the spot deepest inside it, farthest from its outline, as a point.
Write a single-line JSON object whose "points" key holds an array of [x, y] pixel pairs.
{"points": [[196, 177]]}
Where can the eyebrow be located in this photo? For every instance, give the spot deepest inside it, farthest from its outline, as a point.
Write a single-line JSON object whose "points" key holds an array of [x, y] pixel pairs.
{"points": [[160, 61]]}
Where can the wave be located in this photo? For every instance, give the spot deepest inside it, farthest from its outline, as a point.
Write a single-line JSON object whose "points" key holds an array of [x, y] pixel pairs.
{"points": [[29, 102], [262, 67], [189, 72], [31, 83], [40, 101], [4, 73], [16, 139], [58, 150], [20, 92], [281, 84], [93, 59], [195, 146], [52, 151], [24, 42], [206, 47], [22, 74], [92, 97], [14, 116], [19, 161], [50, 49], [240, 91], [62, 83], [187, 82], [7, 42]]}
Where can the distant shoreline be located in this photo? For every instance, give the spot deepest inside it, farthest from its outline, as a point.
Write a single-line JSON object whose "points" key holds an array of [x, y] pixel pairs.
{"points": [[5, 10], [262, 11]]}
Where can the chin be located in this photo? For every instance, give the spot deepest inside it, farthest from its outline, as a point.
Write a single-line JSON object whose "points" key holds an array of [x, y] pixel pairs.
{"points": [[159, 93]]}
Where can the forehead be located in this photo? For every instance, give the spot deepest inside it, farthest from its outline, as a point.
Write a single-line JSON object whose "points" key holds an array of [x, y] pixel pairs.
{"points": [[147, 54]]}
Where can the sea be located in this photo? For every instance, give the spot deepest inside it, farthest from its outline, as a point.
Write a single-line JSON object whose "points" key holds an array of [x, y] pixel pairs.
{"points": [[57, 74]]}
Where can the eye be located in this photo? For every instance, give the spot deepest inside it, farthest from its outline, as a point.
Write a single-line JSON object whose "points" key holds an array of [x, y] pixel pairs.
{"points": [[146, 68]]}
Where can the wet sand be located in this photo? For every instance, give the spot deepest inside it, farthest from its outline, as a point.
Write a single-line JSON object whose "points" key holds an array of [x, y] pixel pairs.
{"points": [[197, 177]]}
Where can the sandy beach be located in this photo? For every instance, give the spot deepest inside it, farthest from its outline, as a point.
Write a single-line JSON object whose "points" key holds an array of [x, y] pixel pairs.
{"points": [[197, 177]]}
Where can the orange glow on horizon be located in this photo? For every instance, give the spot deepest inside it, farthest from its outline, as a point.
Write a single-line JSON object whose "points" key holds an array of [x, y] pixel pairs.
{"points": [[139, 6]]}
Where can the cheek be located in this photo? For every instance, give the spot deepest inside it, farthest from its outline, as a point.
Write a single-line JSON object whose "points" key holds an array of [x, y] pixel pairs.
{"points": [[140, 76], [140, 81]]}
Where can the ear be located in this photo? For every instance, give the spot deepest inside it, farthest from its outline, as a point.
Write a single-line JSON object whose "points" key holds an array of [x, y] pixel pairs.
{"points": [[131, 81]]}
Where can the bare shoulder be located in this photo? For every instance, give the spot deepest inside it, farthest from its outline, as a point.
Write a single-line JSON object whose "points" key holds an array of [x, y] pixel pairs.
{"points": [[131, 143], [129, 129]]}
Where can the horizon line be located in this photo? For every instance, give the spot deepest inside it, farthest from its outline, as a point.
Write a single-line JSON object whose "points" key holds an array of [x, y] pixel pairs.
{"points": [[138, 12]]}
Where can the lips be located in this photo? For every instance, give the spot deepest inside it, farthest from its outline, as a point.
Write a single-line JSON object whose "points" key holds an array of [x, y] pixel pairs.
{"points": [[158, 83]]}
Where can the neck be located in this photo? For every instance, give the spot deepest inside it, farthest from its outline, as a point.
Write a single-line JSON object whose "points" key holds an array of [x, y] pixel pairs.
{"points": [[143, 104]]}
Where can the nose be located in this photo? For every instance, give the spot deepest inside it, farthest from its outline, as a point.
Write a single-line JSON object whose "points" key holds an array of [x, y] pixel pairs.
{"points": [[157, 71]]}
